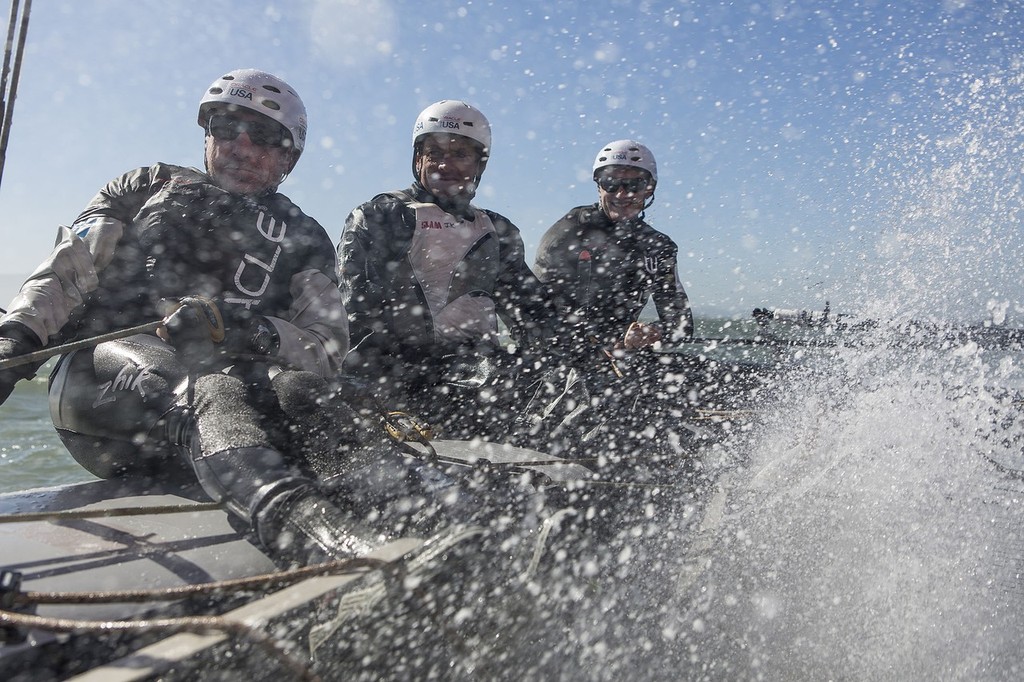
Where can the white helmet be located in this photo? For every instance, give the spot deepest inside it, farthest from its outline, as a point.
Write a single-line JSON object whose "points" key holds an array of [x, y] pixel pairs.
{"points": [[626, 153], [263, 93], [454, 117]]}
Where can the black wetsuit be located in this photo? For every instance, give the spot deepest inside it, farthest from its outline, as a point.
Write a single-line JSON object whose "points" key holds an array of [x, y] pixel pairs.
{"points": [[149, 238], [602, 274], [424, 287]]}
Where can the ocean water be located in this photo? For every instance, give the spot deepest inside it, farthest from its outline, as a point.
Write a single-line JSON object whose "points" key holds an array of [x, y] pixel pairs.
{"points": [[31, 454]]}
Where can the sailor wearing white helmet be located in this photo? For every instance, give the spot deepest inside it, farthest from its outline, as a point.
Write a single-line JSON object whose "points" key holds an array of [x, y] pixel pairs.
{"points": [[254, 323], [243, 101], [425, 276], [603, 262]]}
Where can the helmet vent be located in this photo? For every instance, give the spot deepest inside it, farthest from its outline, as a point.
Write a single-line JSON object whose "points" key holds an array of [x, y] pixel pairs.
{"points": [[271, 104], [216, 91], [272, 89]]}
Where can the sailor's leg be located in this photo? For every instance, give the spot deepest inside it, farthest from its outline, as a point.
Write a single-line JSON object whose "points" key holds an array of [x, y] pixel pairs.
{"points": [[108, 405], [236, 464], [333, 434], [345, 446]]}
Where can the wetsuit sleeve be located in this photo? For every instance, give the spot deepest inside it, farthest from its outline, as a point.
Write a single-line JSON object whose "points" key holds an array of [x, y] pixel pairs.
{"points": [[557, 264], [123, 197], [59, 285], [522, 299], [676, 318], [369, 244], [315, 335]]}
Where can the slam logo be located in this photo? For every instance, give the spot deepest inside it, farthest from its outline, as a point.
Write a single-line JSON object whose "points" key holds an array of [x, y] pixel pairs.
{"points": [[436, 224]]}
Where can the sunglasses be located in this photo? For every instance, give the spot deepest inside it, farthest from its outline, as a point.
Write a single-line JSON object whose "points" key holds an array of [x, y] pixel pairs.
{"points": [[226, 128], [631, 185]]}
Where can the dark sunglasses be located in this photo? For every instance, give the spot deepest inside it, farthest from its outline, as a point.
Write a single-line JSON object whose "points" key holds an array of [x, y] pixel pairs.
{"points": [[226, 128], [631, 185]]}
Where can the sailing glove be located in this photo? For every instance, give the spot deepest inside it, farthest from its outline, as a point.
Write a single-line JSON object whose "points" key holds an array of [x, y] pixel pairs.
{"points": [[207, 333], [16, 340]]}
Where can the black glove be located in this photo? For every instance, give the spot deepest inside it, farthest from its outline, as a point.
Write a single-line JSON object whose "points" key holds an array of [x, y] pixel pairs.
{"points": [[16, 340], [206, 333]]}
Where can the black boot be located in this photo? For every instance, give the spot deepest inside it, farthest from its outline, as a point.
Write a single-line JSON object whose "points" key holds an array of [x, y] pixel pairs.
{"points": [[298, 524], [291, 518]]}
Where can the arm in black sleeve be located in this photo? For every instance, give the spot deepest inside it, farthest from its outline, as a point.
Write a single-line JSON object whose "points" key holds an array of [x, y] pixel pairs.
{"points": [[522, 300], [557, 264], [671, 301], [375, 235]]}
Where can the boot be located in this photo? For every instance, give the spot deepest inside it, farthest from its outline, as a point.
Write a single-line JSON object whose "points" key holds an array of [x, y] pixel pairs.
{"points": [[291, 518], [299, 525]]}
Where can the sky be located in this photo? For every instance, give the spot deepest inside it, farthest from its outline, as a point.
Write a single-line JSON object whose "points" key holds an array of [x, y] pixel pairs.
{"points": [[858, 152]]}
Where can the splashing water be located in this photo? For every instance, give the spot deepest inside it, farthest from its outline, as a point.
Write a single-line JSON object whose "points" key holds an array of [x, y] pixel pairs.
{"points": [[872, 530]]}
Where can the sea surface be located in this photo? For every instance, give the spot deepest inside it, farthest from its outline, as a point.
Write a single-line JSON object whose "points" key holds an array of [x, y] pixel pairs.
{"points": [[31, 454]]}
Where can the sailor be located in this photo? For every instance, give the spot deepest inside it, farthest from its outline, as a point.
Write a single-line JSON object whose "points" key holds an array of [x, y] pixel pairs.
{"points": [[425, 277], [247, 286], [604, 262]]}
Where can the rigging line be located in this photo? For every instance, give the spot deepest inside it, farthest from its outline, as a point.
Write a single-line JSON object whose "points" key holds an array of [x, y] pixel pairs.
{"points": [[276, 580], [75, 514], [64, 348], [12, 94]]}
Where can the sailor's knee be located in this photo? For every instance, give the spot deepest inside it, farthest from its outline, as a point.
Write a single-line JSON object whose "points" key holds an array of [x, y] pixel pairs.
{"points": [[109, 405], [300, 392]]}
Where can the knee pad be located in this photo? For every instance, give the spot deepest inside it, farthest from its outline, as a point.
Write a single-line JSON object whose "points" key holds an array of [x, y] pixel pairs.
{"points": [[109, 403], [300, 393]]}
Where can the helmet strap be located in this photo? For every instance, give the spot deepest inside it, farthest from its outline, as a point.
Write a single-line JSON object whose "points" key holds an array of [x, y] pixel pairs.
{"points": [[647, 204]]}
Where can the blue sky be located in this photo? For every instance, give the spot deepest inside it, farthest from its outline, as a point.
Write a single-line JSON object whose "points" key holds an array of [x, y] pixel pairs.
{"points": [[858, 152]]}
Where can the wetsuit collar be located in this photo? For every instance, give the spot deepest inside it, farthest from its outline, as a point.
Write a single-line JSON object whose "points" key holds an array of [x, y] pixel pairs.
{"points": [[626, 228], [457, 209]]}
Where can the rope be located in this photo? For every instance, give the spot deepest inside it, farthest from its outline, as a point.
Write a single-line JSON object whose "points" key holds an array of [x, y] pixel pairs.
{"points": [[402, 426], [826, 342], [49, 352], [266, 580], [200, 625], [206, 310], [719, 415], [75, 514]]}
